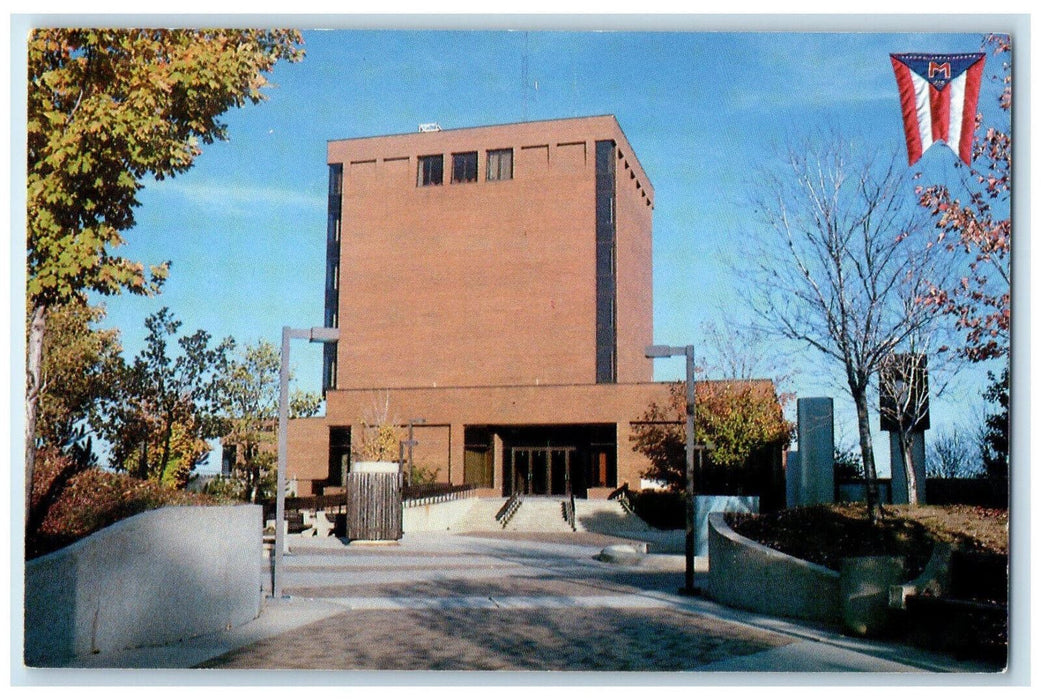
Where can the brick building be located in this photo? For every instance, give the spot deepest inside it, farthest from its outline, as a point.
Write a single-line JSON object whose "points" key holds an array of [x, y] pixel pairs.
{"points": [[494, 282]]}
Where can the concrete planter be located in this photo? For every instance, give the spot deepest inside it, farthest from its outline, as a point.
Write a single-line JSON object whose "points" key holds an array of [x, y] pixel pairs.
{"points": [[154, 578], [374, 507], [864, 585], [747, 575], [375, 467]]}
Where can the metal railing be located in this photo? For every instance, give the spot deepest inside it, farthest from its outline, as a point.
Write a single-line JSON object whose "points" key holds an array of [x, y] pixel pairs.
{"points": [[568, 505], [622, 494], [336, 502], [508, 509], [434, 493]]}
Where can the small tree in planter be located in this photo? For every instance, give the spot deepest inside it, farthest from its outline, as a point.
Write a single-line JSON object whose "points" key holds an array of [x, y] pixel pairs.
{"points": [[380, 437], [374, 485]]}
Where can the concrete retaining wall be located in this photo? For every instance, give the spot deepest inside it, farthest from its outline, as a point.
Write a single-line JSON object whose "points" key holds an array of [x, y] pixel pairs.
{"points": [[747, 575], [436, 517], [157, 577]]}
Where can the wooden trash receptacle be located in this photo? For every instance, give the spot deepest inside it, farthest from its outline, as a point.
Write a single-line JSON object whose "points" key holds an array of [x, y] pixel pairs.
{"points": [[374, 503]]}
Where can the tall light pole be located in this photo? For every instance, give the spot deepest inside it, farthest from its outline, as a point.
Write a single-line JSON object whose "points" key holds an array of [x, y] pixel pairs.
{"points": [[315, 335], [412, 422], [687, 351]]}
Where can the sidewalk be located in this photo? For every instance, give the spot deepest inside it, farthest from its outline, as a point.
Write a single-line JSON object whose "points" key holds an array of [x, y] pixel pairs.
{"points": [[489, 601]]}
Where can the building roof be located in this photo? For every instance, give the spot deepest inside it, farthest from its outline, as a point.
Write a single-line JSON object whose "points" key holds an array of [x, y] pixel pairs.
{"points": [[516, 134]]}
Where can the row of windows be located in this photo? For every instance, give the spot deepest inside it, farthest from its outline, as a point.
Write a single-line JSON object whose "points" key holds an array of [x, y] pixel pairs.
{"points": [[431, 170]]}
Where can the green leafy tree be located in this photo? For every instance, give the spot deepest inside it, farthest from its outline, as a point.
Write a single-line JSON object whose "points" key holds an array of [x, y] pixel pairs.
{"points": [[105, 109], [847, 464], [249, 406], [304, 404], [80, 363], [739, 421], [994, 443], [166, 408]]}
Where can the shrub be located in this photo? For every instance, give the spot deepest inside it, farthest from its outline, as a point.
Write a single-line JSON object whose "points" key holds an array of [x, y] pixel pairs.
{"points": [[78, 503], [665, 510]]}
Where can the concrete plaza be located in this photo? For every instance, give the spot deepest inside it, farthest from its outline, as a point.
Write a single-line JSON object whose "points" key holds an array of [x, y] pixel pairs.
{"points": [[510, 602]]}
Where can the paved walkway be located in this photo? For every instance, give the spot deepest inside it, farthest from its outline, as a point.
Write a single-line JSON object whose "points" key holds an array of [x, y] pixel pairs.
{"points": [[495, 601]]}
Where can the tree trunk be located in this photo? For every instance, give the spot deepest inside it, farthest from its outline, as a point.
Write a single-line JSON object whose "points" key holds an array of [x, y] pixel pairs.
{"points": [[164, 458], [33, 371], [868, 455], [912, 478]]}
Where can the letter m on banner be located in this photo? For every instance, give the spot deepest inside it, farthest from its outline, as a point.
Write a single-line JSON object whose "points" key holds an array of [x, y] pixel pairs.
{"points": [[938, 97]]}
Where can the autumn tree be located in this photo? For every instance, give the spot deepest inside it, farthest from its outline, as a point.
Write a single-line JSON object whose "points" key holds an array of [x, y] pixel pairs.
{"points": [[977, 231], [380, 435], [249, 408], [739, 421], [838, 266], [105, 109]]}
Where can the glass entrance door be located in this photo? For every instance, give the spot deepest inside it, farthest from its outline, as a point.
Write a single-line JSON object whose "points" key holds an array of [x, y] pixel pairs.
{"points": [[541, 471]]}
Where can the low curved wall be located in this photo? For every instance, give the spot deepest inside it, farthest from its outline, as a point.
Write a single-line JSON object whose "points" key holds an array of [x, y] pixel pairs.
{"points": [[745, 574], [154, 578]]}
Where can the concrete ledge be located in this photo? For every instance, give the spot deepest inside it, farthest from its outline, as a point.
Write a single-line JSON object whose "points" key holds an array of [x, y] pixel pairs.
{"points": [[436, 517], [747, 575], [154, 578]]}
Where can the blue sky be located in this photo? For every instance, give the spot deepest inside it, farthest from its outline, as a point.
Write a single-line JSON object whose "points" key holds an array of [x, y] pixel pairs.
{"points": [[245, 227]]}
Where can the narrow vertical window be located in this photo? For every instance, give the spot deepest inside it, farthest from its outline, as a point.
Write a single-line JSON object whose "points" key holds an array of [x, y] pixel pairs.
{"points": [[606, 274], [464, 167], [431, 170], [332, 272], [500, 164]]}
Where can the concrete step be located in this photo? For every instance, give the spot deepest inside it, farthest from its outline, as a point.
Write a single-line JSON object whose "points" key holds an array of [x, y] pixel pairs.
{"points": [[606, 517], [539, 514], [481, 517], [545, 514]]}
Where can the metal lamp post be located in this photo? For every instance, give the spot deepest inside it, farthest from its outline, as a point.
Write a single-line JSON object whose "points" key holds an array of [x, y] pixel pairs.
{"points": [[315, 335], [654, 351], [412, 423]]}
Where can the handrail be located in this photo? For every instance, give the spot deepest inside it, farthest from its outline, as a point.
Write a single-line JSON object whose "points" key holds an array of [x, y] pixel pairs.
{"points": [[622, 495], [508, 509], [568, 508], [568, 505], [410, 496], [326, 502], [434, 493]]}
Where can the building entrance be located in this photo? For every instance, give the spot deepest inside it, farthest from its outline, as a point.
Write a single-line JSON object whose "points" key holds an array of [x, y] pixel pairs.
{"points": [[542, 471]]}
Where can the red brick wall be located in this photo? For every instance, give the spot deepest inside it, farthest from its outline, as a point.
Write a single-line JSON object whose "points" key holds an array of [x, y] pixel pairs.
{"points": [[486, 283]]}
